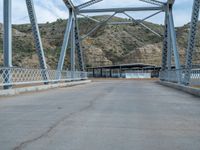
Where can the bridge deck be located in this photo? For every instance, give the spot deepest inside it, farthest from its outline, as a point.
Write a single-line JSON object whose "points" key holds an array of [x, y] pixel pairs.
{"points": [[103, 115]]}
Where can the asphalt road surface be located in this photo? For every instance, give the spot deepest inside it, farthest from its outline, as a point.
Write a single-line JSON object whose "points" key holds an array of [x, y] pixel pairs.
{"points": [[103, 115]]}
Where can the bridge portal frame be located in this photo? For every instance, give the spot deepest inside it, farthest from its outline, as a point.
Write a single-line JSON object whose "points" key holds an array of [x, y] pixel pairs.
{"points": [[170, 48]]}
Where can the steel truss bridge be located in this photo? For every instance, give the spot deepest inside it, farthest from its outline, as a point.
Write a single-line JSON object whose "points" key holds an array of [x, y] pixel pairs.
{"points": [[182, 75]]}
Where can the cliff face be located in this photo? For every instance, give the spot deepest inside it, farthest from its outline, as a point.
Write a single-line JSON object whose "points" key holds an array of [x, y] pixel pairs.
{"points": [[108, 45]]}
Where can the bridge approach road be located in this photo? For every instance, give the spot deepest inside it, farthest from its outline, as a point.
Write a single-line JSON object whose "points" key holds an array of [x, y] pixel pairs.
{"points": [[102, 115]]}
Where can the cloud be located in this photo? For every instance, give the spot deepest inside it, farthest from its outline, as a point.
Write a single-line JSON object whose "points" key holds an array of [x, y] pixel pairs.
{"points": [[46, 10], [51, 10]]}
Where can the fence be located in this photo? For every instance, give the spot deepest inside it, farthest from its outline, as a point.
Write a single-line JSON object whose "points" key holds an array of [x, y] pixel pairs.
{"points": [[172, 76], [20, 76]]}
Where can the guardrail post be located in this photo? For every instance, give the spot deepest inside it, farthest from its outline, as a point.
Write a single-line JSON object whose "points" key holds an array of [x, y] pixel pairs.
{"points": [[7, 42]]}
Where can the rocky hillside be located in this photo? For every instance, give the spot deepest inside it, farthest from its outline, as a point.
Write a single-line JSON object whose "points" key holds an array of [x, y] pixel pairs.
{"points": [[108, 45]]}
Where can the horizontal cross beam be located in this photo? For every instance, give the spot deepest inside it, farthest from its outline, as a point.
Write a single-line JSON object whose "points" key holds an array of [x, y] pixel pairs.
{"points": [[120, 10]]}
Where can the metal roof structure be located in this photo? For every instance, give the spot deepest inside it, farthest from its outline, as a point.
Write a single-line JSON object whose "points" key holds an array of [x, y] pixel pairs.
{"points": [[125, 66]]}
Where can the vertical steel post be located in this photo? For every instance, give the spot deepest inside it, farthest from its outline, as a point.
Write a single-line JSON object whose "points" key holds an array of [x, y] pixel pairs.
{"points": [[191, 42], [169, 51], [37, 38], [64, 46], [78, 45], [72, 60], [174, 40], [165, 44], [174, 43], [7, 41]]}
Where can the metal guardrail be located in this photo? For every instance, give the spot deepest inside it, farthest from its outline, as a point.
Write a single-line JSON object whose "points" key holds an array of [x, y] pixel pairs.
{"points": [[20, 76], [172, 76]]}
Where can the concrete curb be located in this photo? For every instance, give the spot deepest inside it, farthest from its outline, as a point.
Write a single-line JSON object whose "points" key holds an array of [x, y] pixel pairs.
{"points": [[17, 91], [190, 90]]}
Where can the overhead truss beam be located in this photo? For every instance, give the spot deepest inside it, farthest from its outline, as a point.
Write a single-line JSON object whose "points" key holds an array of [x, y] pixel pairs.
{"points": [[95, 20], [142, 24], [98, 26], [122, 22], [87, 4], [153, 2], [121, 10]]}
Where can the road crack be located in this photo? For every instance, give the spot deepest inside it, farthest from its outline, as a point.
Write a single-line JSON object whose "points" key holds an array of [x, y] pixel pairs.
{"points": [[51, 128]]}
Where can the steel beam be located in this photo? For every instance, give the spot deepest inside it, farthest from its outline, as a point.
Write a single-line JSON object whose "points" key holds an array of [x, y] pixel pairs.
{"points": [[7, 40], [142, 24], [37, 38], [156, 13], [120, 10], [72, 53], [95, 20], [69, 4], [78, 45], [87, 4], [153, 2], [98, 26], [191, 42], [174, 40], [165, 44], [64, 46], [120, 23], [169, 49], [170, 2], [174, 44]]}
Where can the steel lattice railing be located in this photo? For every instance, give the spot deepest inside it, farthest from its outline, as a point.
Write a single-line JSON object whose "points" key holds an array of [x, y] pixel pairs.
{"points": [[17, 76], [172, 76]]}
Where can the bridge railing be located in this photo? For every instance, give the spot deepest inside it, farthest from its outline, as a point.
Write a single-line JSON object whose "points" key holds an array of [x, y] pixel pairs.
{"points": [[172, 76], [20, 76]]}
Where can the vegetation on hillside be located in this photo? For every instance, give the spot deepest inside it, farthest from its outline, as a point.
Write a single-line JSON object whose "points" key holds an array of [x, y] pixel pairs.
{"points": [[110, 44]]}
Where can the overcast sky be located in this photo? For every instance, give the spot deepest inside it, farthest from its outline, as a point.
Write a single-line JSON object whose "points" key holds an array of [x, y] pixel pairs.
{"points": [[51, 10]]}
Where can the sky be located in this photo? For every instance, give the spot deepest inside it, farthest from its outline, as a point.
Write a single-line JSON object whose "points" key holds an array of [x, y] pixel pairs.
{"points": [[51, 10]]}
